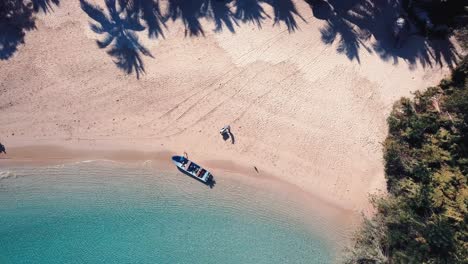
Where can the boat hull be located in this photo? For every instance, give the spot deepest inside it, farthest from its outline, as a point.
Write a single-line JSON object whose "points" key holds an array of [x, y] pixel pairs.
{"points": [[192, 169]]}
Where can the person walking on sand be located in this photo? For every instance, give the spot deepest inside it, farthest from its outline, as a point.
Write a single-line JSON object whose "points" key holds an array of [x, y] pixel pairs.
{"points": [[2, 148], [225, 130]]}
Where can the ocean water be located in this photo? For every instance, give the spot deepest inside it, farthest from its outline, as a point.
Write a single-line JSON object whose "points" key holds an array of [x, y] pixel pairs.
{"points": [[103, 212]]}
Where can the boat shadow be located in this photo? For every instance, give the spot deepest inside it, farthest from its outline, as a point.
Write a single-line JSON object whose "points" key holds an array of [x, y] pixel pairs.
{"points": [[211, 183]]}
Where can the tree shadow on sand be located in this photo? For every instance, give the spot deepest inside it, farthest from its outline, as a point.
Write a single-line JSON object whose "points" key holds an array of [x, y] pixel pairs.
{"points": [[354, 22], [221, 14], [190, 13], [118, 27], [45, 6], [285, 11], [122, 18], [16, 18], [350, 40], [150, 12], [250, 11]]}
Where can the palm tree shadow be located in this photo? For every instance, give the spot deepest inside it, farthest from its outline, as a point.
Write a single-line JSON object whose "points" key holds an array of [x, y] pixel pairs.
{"points": [[190, 12], [250, 11], [284, 11], [443, 51], [349, 40], [220, 12], [320, 9], [45, 6], [118, 28], [150, 12], [415, 47], [356, 21], [16, 17]]}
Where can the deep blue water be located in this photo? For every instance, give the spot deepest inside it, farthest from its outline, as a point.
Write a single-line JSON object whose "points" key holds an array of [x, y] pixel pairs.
{"points": [[105, 213]]}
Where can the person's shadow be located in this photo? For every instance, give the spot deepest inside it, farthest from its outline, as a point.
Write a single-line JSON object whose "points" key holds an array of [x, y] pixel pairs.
{"points": [[233, 140]]}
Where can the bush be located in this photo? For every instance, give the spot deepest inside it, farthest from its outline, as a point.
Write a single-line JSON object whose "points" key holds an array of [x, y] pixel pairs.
{"points": [[424, 218]]}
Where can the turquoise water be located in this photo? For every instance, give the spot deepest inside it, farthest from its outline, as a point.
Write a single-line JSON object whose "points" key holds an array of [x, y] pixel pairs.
{"points": [[104, 213]]}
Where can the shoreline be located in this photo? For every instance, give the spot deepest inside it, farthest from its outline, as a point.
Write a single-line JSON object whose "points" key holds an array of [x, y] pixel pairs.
{"points": [[44, 151], [53, 154]]}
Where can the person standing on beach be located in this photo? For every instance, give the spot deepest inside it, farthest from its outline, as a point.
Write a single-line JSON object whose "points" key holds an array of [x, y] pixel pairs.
{"points": [[2, 148]]}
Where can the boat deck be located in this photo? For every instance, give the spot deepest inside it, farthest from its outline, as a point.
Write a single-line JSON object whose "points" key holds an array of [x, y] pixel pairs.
{"points": [[192, 168]]}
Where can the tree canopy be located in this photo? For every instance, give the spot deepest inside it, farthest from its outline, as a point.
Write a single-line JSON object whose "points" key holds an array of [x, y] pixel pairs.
{"points": [[424, 218]]}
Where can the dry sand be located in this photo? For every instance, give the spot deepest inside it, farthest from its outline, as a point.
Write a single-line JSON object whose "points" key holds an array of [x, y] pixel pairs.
{"points": [[299, 109]]}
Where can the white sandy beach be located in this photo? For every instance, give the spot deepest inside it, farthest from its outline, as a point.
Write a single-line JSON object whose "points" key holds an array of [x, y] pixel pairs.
{"points": [[304, 105]]}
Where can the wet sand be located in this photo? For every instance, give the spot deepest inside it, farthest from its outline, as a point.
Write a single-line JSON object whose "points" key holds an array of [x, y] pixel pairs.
{"points": [[47, 155]]}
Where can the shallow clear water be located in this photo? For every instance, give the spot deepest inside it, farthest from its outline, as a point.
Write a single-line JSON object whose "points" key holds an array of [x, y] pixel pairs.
{"points": [[107, 213]]}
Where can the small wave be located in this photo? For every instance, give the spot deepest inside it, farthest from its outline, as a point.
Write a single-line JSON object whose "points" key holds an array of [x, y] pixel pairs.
{"points": [[61, 166], [94, 161], [89, 161], [147, 164], [7, 175]]}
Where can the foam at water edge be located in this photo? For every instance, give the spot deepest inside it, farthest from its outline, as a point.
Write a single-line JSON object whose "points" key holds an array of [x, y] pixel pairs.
{"points": [[7, 175]]}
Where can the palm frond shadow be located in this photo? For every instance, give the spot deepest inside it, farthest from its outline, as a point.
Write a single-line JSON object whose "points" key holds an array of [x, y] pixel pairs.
{"points": [[349, 40], [221, 14], [250, 11], [17, 18], [150, 12], [285, 11], [190, 13], [118, 27], [353, 22], [45, 6]]}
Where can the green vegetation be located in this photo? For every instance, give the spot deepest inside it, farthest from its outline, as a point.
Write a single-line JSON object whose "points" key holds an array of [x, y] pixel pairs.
{"points": [[424, 218]]}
